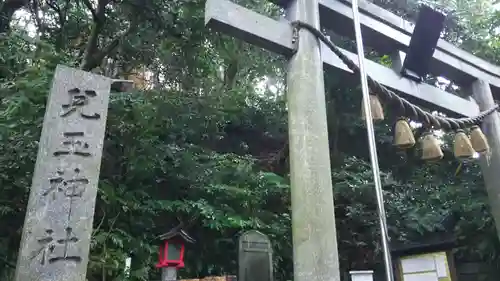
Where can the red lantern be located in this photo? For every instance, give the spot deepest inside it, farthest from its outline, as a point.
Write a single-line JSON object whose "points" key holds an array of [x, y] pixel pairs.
{"points": [[171, 253]]}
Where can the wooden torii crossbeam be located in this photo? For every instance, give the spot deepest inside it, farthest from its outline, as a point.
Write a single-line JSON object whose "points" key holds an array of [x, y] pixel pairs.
{"points": [[313, 222]]}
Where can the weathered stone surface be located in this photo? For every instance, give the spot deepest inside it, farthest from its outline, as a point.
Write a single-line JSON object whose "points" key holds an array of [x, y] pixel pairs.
{"points": [[490, 164], [58, 225], [315, 253], [255, 257], [168, 274]]}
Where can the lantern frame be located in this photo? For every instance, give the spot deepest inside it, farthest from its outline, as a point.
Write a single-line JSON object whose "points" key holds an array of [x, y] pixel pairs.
{"points": [[177, 237], [165, 261]]}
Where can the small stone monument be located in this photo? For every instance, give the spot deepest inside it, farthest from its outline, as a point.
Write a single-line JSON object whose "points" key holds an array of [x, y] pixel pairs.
{"points": [[255, 257]]}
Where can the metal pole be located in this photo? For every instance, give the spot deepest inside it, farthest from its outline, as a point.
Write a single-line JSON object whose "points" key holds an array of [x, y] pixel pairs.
{"points": [[372, 144], [315, 253]]}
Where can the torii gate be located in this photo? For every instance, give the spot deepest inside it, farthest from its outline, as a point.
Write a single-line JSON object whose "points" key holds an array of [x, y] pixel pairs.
{"points": [[313, 222]]}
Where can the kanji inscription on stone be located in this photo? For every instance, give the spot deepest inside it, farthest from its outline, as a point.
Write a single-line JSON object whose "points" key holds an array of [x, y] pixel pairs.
{"points": [[74, 143], [79, 101], [54, 248], [69, 183], [56, 234]]}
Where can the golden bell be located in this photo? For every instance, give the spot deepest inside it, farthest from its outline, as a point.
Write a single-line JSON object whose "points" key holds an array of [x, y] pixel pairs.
{"points": [[462, 147], [376, 107], [478, 140], [431, 150], [403, 134]]}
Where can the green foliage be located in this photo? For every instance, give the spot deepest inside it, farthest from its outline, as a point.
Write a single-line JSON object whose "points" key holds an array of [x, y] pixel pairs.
{"points": [[201, 144]]}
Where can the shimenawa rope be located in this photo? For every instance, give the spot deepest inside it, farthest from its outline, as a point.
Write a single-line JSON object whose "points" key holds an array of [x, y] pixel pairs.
{"points": [[406, 108]]}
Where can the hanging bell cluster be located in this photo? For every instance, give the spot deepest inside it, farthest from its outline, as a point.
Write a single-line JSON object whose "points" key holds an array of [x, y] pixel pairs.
{"points": [[404, 139], [464, 147]]}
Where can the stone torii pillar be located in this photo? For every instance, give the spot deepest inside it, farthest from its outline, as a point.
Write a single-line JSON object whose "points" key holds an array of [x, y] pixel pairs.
{"points": [[315, 251], [383, 29], [490, 164]]}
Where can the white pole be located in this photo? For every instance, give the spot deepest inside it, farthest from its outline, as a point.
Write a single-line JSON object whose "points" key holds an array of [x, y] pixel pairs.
{"points": [[128, 263], [372, 144]]}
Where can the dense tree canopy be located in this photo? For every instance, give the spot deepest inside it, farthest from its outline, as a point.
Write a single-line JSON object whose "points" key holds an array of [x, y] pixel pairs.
{"points": [[203, 138]]}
